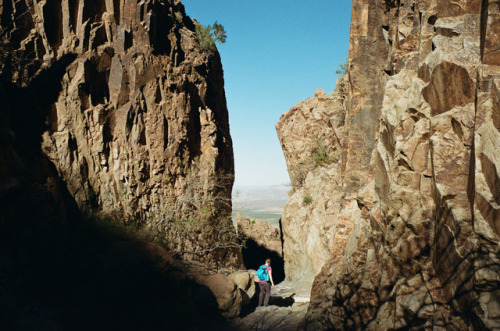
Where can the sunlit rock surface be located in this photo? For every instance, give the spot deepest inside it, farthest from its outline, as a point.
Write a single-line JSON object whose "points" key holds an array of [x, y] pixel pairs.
{"points": [[418, 186], [260, 233], [311, 134]]}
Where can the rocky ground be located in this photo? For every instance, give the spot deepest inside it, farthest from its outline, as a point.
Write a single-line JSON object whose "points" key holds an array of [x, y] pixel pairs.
{"points": [[287, 307], [272, 318]]}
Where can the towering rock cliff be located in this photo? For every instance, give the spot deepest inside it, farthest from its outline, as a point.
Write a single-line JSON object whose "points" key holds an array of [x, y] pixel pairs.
{"points": [[410, 213], [312, 135], [116, 102]]}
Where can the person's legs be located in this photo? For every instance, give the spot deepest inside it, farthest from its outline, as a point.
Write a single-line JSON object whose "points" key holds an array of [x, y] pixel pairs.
{"points": [[268, 293], [261, 294]]}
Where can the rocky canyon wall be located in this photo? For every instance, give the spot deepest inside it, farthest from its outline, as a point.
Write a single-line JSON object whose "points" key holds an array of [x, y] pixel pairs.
{"points": [[311, 135], [410, 212], [116, 102]]}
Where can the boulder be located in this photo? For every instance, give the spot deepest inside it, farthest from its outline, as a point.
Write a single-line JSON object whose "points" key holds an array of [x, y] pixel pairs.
{"points": [[245, 281], [226, 292]]}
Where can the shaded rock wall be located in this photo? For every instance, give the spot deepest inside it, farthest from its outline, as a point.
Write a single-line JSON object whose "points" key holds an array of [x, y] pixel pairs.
{"points": [[261, 233], [134, 123], [261, 241], [419, 177]]}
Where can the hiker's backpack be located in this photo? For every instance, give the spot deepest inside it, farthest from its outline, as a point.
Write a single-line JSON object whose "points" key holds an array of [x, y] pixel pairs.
{"points": [[262, 273]]}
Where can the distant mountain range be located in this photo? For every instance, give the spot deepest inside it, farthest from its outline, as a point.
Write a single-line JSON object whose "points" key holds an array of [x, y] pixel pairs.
{"points": [[249, 193], [260, 202]]}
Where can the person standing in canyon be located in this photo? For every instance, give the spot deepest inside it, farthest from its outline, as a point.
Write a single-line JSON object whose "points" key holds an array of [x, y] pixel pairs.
{"points": [[265, 275]]}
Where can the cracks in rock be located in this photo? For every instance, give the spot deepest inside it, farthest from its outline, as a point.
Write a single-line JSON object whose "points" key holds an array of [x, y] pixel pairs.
{"points": [[416, 115], [482, 27], [52, 23], [10, 26], [409, 225], [432, 19], [471, 179], [454, 240], [402, 162], [447, 279]]}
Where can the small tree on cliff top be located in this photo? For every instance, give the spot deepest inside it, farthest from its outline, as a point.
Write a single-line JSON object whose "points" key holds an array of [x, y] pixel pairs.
{"points": [[209, 35], [343, 68]]}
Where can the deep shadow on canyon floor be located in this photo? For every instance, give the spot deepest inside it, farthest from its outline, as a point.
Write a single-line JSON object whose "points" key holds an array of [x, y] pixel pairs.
{"points": [[61, 270]]}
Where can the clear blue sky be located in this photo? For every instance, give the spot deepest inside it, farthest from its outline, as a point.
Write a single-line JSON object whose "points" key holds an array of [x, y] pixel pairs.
{"points": [[276, 54]]}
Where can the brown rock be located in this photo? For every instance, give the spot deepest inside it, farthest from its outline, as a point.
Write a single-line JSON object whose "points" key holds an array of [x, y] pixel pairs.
{"points": [[245, 281], [311, 134], [417, 190], [226, 292], [450, 86], [263, 234], [317, 123], [136, 117], [490, 50]]}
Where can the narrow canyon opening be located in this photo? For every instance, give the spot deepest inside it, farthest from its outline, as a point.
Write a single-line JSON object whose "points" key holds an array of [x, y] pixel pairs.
{"points": [[116, 166]]}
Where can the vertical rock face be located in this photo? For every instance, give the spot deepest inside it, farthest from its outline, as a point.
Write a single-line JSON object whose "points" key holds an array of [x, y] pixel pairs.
{"points": [[130, 110], [311, 135], [418, 185]]}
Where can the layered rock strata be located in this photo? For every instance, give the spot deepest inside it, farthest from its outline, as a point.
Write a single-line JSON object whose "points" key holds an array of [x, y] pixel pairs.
{"points": [[418, 185], [134, 122]]}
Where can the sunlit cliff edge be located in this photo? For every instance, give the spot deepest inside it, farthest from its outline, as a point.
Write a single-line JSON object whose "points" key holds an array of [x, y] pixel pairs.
{"points": [[395, 204]]}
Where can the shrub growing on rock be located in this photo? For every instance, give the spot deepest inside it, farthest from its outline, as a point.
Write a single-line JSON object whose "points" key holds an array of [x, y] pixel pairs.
{"points": [[209, 35]]}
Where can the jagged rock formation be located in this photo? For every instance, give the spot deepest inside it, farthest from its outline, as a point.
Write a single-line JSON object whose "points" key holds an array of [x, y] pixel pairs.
{"points": [[134, 122], [311, 135], [418, 186]]}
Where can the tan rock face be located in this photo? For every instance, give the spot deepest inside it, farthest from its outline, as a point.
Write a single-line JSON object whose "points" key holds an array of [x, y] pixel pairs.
{"points": [[136, 124], [418, 189], [450, 86], [226, 292], [311, 135]]}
